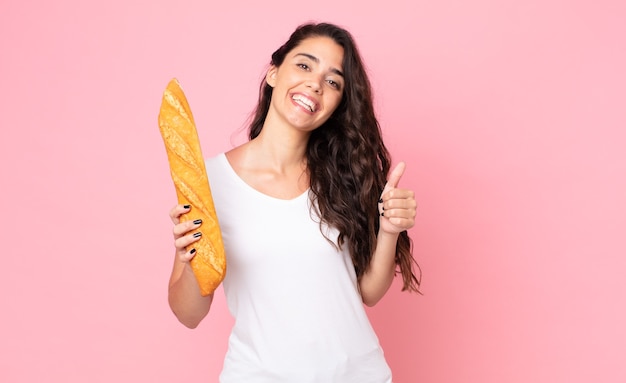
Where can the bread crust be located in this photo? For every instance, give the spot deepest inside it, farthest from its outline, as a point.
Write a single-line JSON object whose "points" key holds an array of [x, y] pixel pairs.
{"points": [[188, 172]]}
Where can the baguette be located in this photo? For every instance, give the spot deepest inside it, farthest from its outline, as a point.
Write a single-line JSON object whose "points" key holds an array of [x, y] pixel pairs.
{"points": [[188, 172]]}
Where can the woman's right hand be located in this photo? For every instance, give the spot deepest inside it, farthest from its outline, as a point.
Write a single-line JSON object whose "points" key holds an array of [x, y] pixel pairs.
{"points": [[185, 233], [184, 297]]}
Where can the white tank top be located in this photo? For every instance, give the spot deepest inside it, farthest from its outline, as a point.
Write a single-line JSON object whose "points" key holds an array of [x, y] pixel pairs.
{"points": [[298, 313]]}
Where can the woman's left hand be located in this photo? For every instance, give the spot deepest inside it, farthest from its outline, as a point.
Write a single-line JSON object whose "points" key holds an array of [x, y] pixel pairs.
{"points": [[397, 207]]}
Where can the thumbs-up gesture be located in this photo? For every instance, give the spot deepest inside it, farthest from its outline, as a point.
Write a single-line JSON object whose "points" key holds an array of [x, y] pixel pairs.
{"points": [[397, 207]]}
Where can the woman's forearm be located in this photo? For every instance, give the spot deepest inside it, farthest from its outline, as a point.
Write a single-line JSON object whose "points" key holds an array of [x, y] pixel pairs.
{"points": [[184, 297], [378, 278]]}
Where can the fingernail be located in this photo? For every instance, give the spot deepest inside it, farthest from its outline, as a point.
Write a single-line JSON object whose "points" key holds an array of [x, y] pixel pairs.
{"points": [[193, 251], [196, 235], [197, 221], [380, 200], [186, 206], [382, 214]]}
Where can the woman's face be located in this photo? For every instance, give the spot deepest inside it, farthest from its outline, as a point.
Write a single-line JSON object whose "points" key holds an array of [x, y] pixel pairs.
{"points": [[308, 85]]}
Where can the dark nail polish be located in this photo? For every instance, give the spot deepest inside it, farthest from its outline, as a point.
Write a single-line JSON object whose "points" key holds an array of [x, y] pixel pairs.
{"points": [[196, 235], [382, 214], [197, 221], [186, 206], [380, 200], [193, 251]]}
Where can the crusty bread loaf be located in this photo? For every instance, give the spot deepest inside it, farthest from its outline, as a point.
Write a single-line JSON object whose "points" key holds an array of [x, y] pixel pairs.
{"points": [[178, 130]]}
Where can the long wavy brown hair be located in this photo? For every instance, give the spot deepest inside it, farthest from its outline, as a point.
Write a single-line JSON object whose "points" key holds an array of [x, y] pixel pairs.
{"points": [[346, 158]]}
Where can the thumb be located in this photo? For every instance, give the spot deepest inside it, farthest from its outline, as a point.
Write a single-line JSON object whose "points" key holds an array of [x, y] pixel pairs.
{"points": [[394, 177]]}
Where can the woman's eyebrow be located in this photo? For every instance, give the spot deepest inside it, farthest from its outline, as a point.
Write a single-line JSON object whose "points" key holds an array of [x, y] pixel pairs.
{"points": [[316, 60]]}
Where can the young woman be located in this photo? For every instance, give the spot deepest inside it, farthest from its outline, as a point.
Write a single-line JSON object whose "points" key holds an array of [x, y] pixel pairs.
{"points": [[312, 229]]}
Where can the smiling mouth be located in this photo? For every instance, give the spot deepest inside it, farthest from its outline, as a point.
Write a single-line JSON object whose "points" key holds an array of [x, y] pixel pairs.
{"points": [[304, 102]]}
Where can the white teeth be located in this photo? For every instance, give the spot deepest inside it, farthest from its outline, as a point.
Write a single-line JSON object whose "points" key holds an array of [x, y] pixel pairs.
{"points": [[304, 102]]}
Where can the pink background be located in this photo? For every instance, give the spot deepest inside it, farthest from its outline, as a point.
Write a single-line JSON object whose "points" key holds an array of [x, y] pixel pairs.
{"points": [[510, 115]]}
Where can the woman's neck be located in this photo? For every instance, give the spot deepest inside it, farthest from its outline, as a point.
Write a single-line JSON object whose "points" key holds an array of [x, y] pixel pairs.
{"points": [[279, 150]]}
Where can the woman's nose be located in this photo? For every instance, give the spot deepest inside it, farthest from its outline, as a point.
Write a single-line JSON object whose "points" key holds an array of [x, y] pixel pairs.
{"points": [[315, 83]]}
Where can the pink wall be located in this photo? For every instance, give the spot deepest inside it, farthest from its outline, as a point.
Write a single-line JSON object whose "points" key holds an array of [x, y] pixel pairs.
{"points": [[510, 115]]}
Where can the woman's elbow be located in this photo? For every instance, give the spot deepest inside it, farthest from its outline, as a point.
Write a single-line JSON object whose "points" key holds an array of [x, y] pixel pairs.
{"points": [[189, 319], [370, 302], [190, 314], [372, 291], [190, 323]]}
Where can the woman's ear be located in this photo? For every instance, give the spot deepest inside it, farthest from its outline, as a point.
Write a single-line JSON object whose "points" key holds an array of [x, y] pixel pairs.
{"points": [[270, 77]]}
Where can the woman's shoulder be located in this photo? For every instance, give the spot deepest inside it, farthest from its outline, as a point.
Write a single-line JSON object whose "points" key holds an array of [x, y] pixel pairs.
{"points": [[223, 163], [236, 155], [214, 159], [215, 165]]}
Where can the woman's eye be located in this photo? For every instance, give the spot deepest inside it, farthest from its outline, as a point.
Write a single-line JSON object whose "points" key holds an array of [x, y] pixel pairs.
{"points": [[333, 84], [303, 66]]}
